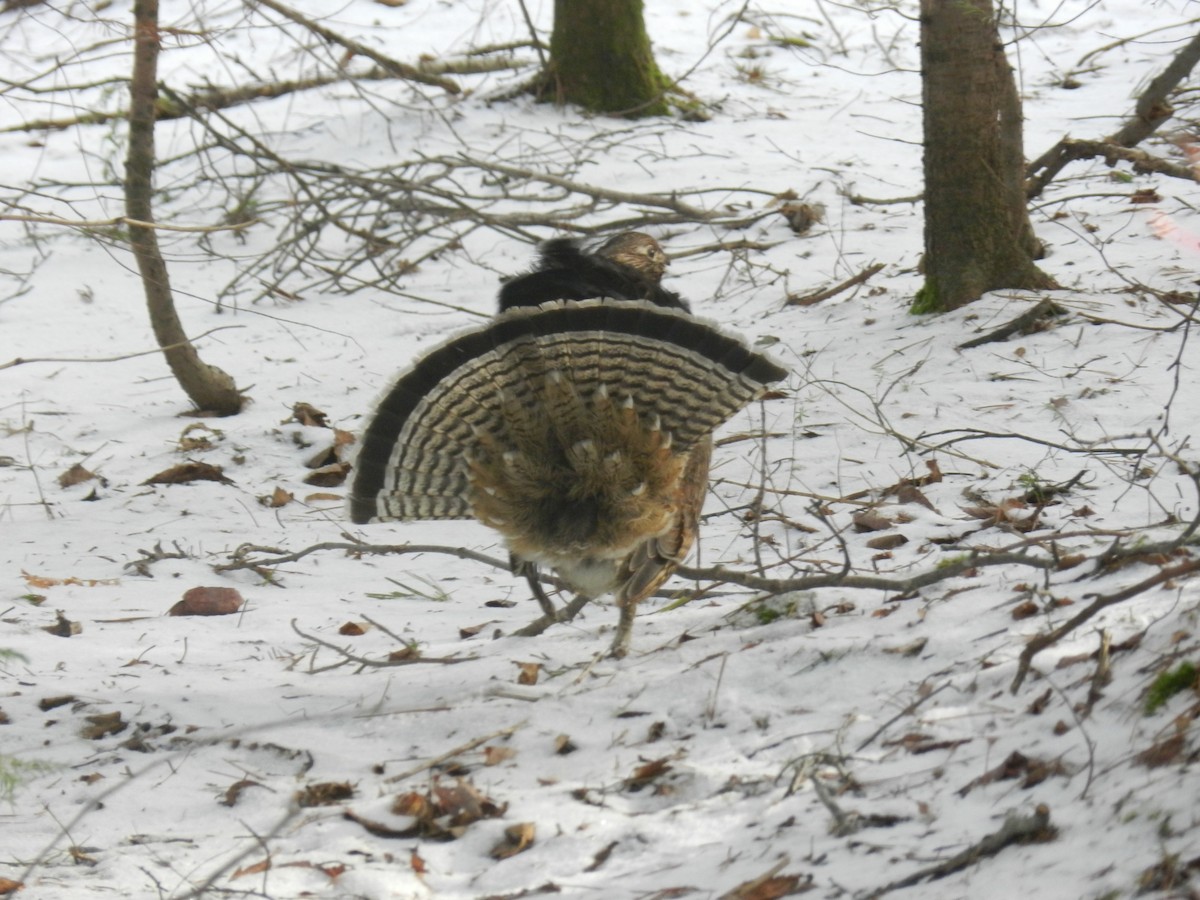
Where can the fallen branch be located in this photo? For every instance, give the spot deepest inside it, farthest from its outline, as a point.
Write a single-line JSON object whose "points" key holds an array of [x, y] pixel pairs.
{"points": [[1153, 107], [1028, 321], [1150, 112], [242, 559], [1035, 828], [948, 568], [1042, 641], [1068, 150], [818, 296]]}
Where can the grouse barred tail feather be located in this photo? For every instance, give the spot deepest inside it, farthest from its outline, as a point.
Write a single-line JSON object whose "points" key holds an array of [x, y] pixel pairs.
{"points": [[579, 429]]}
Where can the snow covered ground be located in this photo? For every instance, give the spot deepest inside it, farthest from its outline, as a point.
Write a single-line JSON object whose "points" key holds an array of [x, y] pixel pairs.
{"points": [[846, 741]]}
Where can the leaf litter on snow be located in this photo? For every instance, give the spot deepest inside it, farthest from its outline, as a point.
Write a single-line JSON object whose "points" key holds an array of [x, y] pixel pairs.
{"points": [[958, 488]]}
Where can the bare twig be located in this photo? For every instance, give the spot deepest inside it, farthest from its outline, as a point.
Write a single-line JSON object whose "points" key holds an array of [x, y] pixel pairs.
{"points": [[907, 711], [1042, 641], [399, 69], [824, 294], [125, 220], [365, 662], [450, 754], [243, 560], [662, 201], [25, 360]]}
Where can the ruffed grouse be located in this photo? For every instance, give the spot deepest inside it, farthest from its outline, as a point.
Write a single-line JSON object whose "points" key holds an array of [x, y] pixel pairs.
{"points": [[577, 423]]}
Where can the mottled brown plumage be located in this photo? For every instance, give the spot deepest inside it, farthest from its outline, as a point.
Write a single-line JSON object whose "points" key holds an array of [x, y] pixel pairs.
{"points": [[638, 251], [579, 430]]}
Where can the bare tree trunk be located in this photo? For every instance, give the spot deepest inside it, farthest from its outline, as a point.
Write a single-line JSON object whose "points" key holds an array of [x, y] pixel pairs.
{"points": [[977, 232], [211, 389], [600, 59]]}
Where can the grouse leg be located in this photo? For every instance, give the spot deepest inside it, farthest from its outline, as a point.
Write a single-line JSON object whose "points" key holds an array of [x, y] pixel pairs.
{"points": [[530, 571]]}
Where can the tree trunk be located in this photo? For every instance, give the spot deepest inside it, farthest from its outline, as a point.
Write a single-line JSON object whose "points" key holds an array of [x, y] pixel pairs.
{"points": [[600, 59], [977, 232], [211, 389]]}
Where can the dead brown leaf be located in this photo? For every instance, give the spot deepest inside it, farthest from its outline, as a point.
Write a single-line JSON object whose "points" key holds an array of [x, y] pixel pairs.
{"points": [[601, 857], [443, 813], [103, 724], [307, 414], [517, 839], [1031, 770], [43, 581], [1038, 706], [771, 885], [187, 472], [802, 216], [208, 601], [528, 672], [913, 648], [198, 437], [871, 520], [277, 498], [332, 475], [493, 756], [910, 493], [63, 627], [647, 773], [233, 793], [324, 793], [381, 830], [257, 868], [1025, 610], [8, 886], [887, 541], [352, 629], [412, 804], [563, 745], [77, 474], [1163, 753]]}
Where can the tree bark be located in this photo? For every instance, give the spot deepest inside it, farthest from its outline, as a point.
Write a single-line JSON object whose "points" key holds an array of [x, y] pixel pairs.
{"points": [[600, 59], [977, 232], [211, 389]]}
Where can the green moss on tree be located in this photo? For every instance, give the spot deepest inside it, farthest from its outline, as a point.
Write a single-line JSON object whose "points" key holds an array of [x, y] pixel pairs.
{"points": [[600, 59]]}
